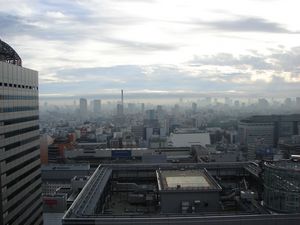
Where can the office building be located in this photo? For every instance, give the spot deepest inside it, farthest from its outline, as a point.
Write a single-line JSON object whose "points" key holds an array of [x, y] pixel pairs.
{"points": [[298, 101], [282, 185], [20, 183], [194, 107], [142, 108], [255, 135], [97, 106], [184, 191], [268, 127], [120, 106], [188, 138], [290, 146], [120, 110], [83, 108]]}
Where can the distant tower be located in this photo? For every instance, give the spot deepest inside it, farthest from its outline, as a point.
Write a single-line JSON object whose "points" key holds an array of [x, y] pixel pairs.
{"points": [[120, 107], [143, 108], [298, 101], [97, 106], [194, 107], [83, 108], [122, 97]]}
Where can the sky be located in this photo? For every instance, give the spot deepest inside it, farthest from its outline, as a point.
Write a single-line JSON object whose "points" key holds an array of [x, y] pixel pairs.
{"points": [[157, 47]]}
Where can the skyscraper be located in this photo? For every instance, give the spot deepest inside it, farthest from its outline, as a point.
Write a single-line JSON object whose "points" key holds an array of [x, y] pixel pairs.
{"points": [[120, 106], [83, 108], [298, 101], [120, 111], [20, 194], [264, 131], [194, 107], [97, 106], [269, 127]]}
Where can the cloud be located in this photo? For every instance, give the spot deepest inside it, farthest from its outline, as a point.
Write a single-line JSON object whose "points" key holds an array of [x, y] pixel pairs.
{"points": [[226, 59], [278, 60], [136, 1], [140, 46], [199, 79], [11, 24], [252, 74], [90, 46], [246, 24], [288, 60]]}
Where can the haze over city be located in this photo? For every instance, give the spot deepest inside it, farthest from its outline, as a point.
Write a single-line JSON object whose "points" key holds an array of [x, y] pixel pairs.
{"points": [[139, 112], [90, 48]]}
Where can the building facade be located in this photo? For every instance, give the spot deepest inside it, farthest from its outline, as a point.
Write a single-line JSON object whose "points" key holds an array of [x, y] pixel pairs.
{"points": [[274, 126], [83, 108], [21, 200], [97, 106], [255, 135]]}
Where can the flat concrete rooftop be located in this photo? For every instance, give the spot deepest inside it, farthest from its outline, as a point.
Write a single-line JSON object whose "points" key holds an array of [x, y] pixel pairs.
{"points": [[185, 180]]}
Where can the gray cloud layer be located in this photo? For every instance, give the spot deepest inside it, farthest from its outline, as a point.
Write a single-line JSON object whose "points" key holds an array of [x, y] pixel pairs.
{"points": [[245, 24], [249, 24]]}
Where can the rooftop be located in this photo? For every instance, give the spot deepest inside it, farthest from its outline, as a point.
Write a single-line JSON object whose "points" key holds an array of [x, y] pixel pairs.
{"points": [[189, 139], [186, 180], [285, 165]]}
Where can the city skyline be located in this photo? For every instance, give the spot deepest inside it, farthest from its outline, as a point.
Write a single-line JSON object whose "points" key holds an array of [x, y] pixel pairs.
{"points": [[132, 162], [157, 48]]}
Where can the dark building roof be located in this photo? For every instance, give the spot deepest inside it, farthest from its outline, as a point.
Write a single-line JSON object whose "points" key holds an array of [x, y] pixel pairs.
{"points": [[9, 55]]}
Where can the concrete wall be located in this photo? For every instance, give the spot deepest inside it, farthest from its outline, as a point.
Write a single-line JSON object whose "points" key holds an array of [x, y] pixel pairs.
{"points": [[171, 201]]}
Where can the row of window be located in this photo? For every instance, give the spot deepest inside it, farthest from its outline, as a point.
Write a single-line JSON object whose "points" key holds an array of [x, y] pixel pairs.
{"points": [[39, 206], [18, 97], [18, 120], [20, 131], [24, 175], [31, 192], [18, 109], [19, 189], [21, 154], [22, 165], [19, 86], [30, 214], [20, 143]]}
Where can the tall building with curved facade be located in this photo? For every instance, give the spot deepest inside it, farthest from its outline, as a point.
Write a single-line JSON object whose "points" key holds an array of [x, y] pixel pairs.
{"points": [[282, 186], [20, 182]]}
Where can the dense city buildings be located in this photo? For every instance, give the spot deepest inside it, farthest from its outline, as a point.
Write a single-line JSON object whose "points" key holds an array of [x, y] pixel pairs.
{"points": [[177, 135], [210, 157], [21, 200]]}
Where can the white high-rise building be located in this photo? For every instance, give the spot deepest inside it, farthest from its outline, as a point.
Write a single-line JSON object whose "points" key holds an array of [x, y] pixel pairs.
{"points": [[21, 193]]}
